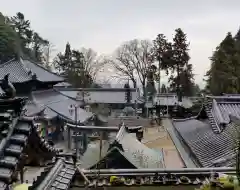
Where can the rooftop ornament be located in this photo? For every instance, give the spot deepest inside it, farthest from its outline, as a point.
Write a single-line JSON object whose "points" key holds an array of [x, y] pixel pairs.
{"points": [[8, 88]]}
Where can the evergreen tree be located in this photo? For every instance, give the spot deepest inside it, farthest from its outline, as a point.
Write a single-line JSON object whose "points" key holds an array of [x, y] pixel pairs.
{"points": [[9, 41], [23, 29], [32, 45], [162, 54], [72, 65], [151, 90], [182, 78], [225, 67], [62, 62]]}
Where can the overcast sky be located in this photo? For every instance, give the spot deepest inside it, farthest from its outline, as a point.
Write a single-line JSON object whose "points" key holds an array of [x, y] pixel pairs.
{"points": [[105, 24]]}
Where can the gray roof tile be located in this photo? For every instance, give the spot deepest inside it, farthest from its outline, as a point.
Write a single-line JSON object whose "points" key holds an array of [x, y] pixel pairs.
{"points": [[60, 104], [101, 95], [15, 136], [43, 74], [134, 151], [206, 145], [137, 153], [32, 109], [218, 109], [59, 177], [62, 109], [130, 121], [91, 156], [19, 72], [172, 100]]}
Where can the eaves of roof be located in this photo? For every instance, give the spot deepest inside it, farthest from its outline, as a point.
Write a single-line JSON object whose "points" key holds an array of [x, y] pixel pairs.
{"points": [[206, 146], [23, 70], [97, 89], [42, 73], [60, 104], [15, 136], [59, 177], [18, 74], [218, 109], [134, 151]]}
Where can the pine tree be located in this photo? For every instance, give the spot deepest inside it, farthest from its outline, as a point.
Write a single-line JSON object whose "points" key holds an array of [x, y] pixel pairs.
{"points": [[162, 54], [182, 78], [225, 67]]}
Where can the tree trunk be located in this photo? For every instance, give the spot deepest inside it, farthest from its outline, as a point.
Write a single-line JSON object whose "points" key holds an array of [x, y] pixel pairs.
{"points": [[178, 84], [134, 83], [159, 80]]}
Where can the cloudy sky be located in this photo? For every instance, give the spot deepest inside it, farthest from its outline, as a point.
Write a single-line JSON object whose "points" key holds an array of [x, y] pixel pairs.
{"points": [[105, 24]]}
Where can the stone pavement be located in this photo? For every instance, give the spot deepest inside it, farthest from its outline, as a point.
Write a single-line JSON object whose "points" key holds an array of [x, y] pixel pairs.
{"points": [[183, 153], [158, 138]]}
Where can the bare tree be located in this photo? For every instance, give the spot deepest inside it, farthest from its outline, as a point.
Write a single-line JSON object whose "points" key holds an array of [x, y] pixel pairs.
{"points": [[133, 60], [93, 63]]}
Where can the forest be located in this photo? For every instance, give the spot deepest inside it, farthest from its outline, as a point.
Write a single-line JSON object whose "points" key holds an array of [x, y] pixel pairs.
{"points": [[138, 60]]}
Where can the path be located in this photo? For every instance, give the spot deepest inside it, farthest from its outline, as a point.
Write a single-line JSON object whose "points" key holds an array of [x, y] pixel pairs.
{"points": [[183, 153], [157, 138]]}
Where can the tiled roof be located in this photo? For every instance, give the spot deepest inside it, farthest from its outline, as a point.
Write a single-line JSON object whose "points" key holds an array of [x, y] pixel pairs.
{"points": [[31, 109], [176, 181], [15, 135], [43, 74], [59, 177], [172, 100], [207, 146], [20, 72], [137, 153], [130, 121], [60, 104], [17, 72], [91, 156], [101, 95], [218, 109]]}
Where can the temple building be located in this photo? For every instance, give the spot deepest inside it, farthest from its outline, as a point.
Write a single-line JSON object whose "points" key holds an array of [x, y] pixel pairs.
{"points": [[27, 76], [211, 137], [112, 98]]}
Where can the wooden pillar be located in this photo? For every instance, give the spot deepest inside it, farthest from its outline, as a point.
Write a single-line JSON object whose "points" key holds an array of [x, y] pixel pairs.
{"points": [[85, 141], [21, 175], [69, 137], [77, 146]]}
